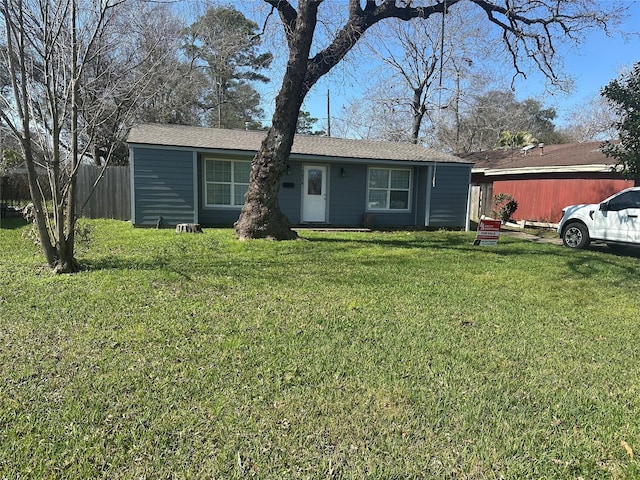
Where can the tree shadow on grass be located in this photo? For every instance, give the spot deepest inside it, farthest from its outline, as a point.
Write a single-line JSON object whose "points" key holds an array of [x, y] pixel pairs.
{"points": [[392, 240], [112, 262], [594, 261], [307, 255], [12, 223], [615, 250], [505, 246], [303, 257]]}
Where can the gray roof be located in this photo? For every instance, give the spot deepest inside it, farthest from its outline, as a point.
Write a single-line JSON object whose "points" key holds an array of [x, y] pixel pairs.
{"points": [[249, 141]]}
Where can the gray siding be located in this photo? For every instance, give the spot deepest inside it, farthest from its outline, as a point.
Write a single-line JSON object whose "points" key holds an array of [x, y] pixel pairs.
{"points": [[348, 194], [217, 216], [450, 195], [290, 197], [213, 215], [384, 219], [412, 217], [422, 185], [163, 186]]}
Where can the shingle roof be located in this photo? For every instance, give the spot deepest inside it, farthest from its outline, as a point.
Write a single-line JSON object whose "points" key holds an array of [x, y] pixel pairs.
{"points": [[249, 141], [573, 156]]}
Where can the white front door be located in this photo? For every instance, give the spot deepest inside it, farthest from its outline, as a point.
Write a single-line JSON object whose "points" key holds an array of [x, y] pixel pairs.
{"points": [[314, 194]]}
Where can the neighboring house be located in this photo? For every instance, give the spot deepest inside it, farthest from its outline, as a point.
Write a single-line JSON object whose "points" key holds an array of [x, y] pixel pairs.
{"points": [[200, 175], [543, 179]]}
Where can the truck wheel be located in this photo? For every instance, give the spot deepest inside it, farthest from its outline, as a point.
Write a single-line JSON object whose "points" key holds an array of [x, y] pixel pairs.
{"points": [[575, 235]]}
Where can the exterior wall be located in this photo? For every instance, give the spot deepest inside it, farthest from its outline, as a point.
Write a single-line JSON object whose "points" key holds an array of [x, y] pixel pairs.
{"points": [[162, 181], [542, 199], [449, 196], [290, 198], [422, 195], [346, 198], [166, 183], [348, 194], [213, 215]]}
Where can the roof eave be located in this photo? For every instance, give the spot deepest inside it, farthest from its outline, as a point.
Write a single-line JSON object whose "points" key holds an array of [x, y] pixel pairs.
{"points": [[550, 169]]}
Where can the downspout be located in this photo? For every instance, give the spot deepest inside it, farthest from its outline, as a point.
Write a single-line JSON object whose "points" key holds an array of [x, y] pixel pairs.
{"points": [[196, 206], [416, 183], [427, 210], [132, 186]]}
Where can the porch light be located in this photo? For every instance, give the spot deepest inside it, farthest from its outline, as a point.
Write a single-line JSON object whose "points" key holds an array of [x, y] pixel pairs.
{"points": [[343, 172]]}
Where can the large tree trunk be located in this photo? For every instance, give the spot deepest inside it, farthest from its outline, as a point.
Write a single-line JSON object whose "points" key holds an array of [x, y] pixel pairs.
{"points": [[261, 216]]}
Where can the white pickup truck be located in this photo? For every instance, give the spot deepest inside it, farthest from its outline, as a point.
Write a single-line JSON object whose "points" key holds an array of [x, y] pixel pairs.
{"points": [[616, 221]]}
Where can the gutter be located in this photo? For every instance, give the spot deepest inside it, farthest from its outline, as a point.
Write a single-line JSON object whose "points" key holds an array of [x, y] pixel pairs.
{"points": [[557, 169]]}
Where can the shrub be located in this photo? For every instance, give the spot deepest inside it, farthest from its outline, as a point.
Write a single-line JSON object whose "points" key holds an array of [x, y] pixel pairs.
{"points": [[504, 207]]}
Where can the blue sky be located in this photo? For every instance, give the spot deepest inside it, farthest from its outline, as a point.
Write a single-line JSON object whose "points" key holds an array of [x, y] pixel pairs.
{"points": [[592, 65], [595, 63]]}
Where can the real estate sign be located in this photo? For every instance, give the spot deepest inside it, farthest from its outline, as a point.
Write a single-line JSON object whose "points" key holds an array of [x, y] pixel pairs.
{"points": [[488, 232]]}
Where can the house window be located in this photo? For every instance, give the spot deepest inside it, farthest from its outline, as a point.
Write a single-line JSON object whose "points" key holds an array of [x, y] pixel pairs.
{"points": [[389, 189], [226, 182]]}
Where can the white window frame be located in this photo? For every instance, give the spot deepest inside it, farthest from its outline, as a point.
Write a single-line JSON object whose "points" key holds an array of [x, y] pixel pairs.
{"points": [[388, 189], [234, 183]]}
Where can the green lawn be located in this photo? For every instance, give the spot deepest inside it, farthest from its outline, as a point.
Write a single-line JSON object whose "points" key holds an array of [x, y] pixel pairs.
{"points": [[350, 355]]}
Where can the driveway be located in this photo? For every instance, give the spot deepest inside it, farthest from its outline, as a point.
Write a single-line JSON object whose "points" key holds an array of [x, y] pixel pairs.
{"points": [[556, 240]]}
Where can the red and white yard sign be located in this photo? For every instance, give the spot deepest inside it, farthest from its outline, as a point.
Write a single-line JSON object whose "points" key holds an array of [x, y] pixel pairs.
{"points": [[488, 232]]}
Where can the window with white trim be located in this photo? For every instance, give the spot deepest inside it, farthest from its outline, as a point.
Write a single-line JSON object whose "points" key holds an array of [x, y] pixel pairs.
{"points": [[226, 182], [389, 188]]}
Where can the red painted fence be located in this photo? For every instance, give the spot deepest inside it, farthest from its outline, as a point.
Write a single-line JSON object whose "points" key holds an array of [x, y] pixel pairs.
{"points": [[542, 200]]}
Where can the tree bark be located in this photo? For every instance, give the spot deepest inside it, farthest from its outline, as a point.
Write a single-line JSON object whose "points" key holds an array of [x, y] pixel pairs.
{"points": [[261, 216], [419, 109], [15, 31], [66, 250]]}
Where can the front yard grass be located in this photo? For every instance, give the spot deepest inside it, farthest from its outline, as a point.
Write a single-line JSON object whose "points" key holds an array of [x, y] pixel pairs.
{"points": [[351, 355]]}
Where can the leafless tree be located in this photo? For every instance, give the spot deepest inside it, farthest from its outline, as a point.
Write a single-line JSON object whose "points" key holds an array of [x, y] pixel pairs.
{"points": [[154, 84], [379, 116], [529, 31], [591, 120], [70, 65], [425, 64], [496, 115]]}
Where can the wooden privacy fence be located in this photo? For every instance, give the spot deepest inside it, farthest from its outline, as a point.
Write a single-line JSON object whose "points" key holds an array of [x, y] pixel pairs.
{"points": [[481, 201], [111, 197]]}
